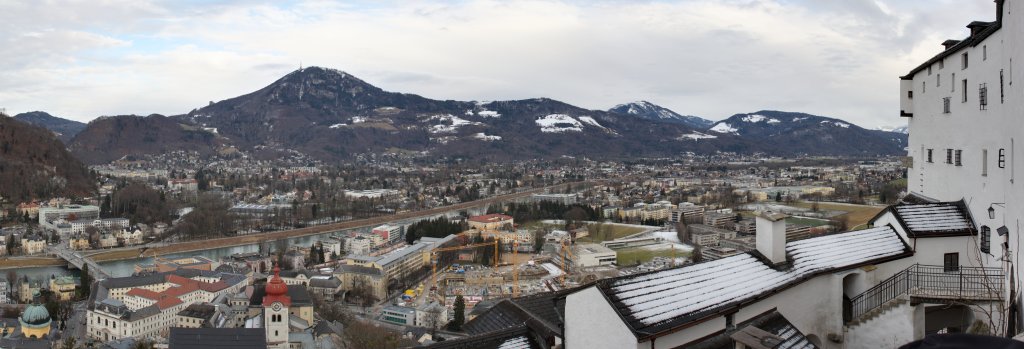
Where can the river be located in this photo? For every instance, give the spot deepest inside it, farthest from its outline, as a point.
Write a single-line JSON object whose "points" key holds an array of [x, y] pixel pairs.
{"points": [[127, 267]]}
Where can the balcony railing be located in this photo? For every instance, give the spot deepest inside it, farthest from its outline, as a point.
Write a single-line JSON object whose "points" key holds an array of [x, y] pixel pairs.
{"points": [[932, 282]]}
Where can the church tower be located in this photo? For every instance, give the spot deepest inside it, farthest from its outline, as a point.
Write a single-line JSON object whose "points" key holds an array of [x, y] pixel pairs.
{"points": [[275, 311]]}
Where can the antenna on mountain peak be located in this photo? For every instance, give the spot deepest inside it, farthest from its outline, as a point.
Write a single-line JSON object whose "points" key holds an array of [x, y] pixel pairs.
{"points": [[300, 65]]}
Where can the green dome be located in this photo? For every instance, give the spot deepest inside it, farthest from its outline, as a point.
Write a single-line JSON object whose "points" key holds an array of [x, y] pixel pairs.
{"points": [[35, 314]]}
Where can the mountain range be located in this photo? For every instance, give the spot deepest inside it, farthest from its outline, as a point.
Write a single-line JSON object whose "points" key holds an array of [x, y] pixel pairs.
{"points": [[331, 115], [64, 128]]}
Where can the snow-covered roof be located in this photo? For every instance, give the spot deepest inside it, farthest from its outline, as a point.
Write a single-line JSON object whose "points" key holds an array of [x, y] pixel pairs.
{"points": [[662, 300], [934, 219]]}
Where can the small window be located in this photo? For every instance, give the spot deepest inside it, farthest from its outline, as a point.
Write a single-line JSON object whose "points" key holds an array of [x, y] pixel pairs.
{"points": [[929, 155], [942, 63], [984, 52], [963, 61], [984, 162], [949, 156], [951, 262], [924, 87], [986, 239], [983, 96], [957, 157], [1002, 97], [1002, 158], [963, 91], [952, 82], [929, 70], [945, 105], [910, 94]]}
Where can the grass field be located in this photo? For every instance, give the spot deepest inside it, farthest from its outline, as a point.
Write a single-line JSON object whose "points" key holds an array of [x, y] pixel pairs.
{"points": [[30, 262], [856, 216], [603, 231], [811, 222], [631, 256]]}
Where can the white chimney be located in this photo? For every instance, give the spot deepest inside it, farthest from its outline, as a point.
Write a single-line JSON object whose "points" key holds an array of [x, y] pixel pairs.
{"points": [[771, 236]]}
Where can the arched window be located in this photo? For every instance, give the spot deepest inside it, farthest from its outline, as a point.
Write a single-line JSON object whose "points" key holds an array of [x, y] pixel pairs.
{"points": [[986, 239]]}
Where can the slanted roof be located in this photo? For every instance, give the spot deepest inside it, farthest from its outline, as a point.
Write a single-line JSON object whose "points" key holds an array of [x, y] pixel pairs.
{"points": [[199, 338], [938, 219], [541, 311], [659, 301], [512, 338], [772, 324], [973, 40]]}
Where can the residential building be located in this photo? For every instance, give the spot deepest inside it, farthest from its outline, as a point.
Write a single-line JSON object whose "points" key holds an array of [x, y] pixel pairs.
{"points": [[491, 222], [64, 286], [431, 315], [397, 315], [388, 233], [565, 199]]}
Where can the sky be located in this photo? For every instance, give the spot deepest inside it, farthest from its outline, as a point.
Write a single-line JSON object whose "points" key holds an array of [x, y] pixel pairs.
{"points": [[840, 58]]}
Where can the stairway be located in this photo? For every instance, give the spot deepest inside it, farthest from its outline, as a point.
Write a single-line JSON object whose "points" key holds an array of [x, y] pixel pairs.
{"points": [[876, 312]]}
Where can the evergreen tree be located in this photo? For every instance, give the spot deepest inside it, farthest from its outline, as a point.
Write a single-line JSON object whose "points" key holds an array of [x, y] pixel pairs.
{"points": [[460, 314], [86, 281]]}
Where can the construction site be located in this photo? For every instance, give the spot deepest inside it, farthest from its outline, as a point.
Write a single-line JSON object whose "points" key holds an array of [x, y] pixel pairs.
{"points": [[506, 265]]}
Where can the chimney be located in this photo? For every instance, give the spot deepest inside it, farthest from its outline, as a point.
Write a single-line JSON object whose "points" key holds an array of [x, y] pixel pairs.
{"points": [[950, 43], [771, 236]]}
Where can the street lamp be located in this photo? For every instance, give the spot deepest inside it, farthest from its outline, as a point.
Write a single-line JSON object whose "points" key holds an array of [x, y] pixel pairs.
{"points": [[992, 210]]}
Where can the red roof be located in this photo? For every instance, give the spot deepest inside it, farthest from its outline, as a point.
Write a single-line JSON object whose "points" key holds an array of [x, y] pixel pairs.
{"points": [[277, 290], [490, 218]]}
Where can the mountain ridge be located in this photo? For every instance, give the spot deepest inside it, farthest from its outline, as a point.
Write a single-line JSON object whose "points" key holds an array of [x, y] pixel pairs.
{"points": [[333, 116]]}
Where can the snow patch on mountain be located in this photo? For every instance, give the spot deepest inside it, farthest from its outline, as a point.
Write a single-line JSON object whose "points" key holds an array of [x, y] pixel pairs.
{"points": [[590, 121], [724, 127], [837, 123], [449, 123], [337, 126], [558, 123], [488, 113], [696, 136], [483, 137], [755, 118]]}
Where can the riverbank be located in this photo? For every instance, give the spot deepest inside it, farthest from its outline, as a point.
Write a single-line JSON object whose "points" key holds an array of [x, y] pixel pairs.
{"points": [[192, 246]]}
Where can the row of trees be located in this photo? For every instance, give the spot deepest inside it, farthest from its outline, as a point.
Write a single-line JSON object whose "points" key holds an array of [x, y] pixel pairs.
{"points": [[434, 228]]}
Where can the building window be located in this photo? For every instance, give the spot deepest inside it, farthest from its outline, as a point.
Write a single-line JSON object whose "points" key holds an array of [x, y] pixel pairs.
{"points": [[945, 105], [1002, 158], [952, 82], [964, 92], [929, 70], [957, 157], [983, 96], [910, 94], [924, 87], [984, 52], [963, 61], [984, 162], [1002, 98], [986, 239], [942, 63], [949, 156], [951, 262], [929, 157]]}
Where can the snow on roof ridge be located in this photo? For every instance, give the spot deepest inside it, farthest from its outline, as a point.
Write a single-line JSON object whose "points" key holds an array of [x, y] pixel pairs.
{"points": [[649, 299]]}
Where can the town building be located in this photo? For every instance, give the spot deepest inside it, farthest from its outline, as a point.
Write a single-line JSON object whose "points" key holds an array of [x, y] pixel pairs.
{"points": [[405, 316], [388, 233], [593, 255], [49, 215], [565, 199], [491, 222]]}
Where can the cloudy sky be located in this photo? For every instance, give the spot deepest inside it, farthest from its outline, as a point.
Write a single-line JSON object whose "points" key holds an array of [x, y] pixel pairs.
{"points": [[841, 58]]}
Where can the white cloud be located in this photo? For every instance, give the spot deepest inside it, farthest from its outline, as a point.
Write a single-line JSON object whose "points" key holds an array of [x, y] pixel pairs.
{"points": [[702, 57]]}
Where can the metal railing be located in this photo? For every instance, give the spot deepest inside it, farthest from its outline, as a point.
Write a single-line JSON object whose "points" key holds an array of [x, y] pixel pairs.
{"points": [[934, 282]]}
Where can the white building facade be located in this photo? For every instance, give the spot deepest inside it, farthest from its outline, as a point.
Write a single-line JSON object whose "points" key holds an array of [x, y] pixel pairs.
{"points": [[964, 114]]}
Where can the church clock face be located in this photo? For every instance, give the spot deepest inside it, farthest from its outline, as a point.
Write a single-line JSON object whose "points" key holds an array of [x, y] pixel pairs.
{"points": [[276, 306]]}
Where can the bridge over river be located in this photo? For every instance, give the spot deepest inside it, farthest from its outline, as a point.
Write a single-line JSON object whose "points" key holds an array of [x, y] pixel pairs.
{"points": [[77, 260]]}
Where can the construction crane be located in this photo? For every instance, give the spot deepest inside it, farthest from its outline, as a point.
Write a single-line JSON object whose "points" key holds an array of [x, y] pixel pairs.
{"points": [[566, 259]]}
